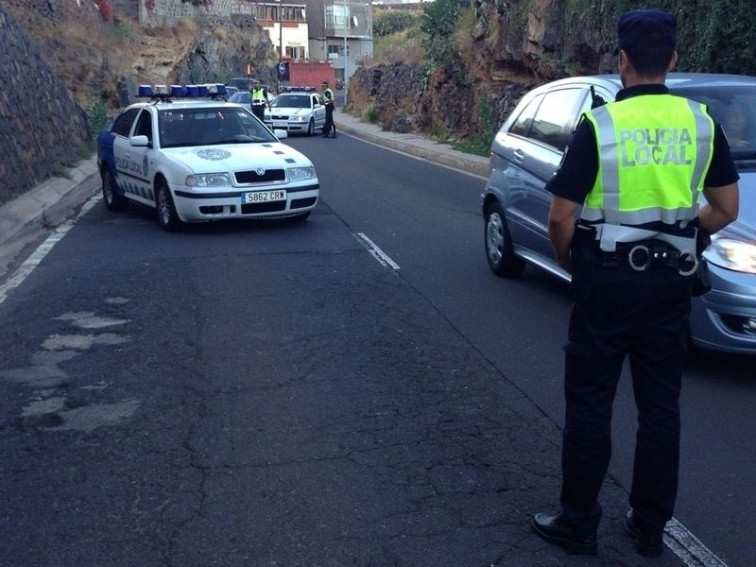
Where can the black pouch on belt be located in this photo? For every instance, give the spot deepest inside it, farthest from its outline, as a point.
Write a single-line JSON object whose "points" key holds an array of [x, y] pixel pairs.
{"points": [[701, 283], [583, 256]]}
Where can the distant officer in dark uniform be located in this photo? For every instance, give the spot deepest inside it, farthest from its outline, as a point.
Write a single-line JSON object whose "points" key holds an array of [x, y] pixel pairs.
{"points": [[328, 100], [637, 166], [259, 100]]}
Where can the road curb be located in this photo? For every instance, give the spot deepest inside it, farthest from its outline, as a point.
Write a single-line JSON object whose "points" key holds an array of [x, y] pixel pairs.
{"points": [[415, 145], [47, 205]]}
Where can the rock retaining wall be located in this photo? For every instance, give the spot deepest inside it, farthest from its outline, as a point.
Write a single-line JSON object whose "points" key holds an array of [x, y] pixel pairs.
{"points": [[42, 129]]}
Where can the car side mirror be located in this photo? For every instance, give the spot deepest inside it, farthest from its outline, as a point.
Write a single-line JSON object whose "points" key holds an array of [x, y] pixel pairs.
{"points": [[139, 141]]}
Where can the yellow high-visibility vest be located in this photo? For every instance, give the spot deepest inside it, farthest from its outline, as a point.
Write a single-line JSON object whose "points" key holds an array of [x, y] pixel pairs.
{"points": [[258, 95], [654, 152]]}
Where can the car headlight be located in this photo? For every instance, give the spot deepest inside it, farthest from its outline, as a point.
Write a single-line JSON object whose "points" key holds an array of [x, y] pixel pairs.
{"points": [[208, 180], [299, 118], [301, 173], [731, 254]]}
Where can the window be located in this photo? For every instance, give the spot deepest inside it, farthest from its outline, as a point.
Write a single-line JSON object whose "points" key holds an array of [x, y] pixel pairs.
{"points": [[556, 117], [122, 124], [295, 52], [336, 17], [522, 125], [336, 50], [263, 12], [551, 118], [293, 14], [144, 125]]}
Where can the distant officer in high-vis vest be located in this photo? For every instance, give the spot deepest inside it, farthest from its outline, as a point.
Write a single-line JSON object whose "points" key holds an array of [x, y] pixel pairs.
{"points": [[328, 101], [637, 166], [259, 99]]}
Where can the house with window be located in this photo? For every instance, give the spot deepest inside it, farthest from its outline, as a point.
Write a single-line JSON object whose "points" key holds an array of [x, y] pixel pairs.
{"points": [[340, 32], [286, 25]]}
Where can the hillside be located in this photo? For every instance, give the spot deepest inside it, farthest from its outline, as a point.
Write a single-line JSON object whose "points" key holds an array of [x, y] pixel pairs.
{"points": [[70, 64], [482, 54], [96, 52], [479, 57]]}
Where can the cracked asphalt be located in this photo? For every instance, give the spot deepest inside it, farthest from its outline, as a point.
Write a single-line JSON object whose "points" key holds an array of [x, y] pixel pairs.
{"points": [[138, 430]]}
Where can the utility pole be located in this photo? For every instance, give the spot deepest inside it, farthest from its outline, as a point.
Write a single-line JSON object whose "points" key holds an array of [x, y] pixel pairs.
{"points": [[346, 57], [280, 44]]}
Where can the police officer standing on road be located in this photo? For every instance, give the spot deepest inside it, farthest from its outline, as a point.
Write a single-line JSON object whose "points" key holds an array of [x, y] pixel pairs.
{"points": [[328, 100], [259, 100], [637, 166]]}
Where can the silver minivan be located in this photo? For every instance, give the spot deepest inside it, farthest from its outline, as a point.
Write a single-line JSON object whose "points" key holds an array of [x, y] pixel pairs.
{"points": [[526, 153]]}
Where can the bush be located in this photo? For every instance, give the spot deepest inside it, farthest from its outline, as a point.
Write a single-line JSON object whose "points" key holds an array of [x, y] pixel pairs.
{"points": [[387, 22], [98, 116]]}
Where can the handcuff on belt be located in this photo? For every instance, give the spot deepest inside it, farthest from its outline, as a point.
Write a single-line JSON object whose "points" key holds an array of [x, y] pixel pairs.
{"points": [[641, 258]]}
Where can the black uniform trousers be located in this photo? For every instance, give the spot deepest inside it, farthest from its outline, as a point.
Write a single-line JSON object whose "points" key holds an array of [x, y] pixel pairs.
{"points": [[258, 109], [620, 313], [329, 125]]}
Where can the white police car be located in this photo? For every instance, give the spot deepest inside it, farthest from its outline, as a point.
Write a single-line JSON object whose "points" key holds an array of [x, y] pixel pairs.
{"points": [[299, 110], [195, 157]]}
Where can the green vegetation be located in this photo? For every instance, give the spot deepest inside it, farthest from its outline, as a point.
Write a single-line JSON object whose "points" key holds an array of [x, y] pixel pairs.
{"points": [[439, 24], [371, 115], [387, 22], [480, 143], [98, 116], [712, 35]]}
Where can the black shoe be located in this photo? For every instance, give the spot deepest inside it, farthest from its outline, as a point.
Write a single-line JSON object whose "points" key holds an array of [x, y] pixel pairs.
{"points": [[647, 544], [333, 136], [324, 136], [560, 530]]}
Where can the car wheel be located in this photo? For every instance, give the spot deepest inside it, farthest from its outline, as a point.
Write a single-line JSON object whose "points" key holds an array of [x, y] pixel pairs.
{"points": [[113, 201], [499, 251], [166, 211], [311, 128]]}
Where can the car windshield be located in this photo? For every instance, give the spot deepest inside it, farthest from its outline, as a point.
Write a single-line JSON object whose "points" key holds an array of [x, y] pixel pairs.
{"points": [[291, 101], [183, 127], [240, 97], [733, 109]]}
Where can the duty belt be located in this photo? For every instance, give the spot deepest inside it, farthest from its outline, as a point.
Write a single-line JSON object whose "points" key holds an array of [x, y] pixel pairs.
{"points": [[648, 255]]}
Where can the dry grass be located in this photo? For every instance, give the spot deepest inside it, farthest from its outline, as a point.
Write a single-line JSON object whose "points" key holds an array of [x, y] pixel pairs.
{"points": [[188, 25], [463, 38], [405, 47], [493, 31]]}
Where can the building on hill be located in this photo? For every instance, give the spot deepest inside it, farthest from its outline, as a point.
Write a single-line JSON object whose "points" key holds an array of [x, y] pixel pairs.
{"points": [[340, 32]]}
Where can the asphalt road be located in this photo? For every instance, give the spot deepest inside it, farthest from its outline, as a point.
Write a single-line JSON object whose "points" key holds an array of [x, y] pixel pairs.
{"points": [[433, 228], [354, 390]]}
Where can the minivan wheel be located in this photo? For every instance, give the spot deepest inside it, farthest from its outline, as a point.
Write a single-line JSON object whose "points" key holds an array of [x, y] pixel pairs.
{"points": [[499, 252]]}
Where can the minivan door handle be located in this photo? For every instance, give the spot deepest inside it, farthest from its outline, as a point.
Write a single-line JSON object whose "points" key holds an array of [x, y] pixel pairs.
{"points": [[519, 154]]}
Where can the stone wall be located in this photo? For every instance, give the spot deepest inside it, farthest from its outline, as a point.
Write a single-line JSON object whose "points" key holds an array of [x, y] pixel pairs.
{"points": [[170, 12], [403, 98], [42, 129]]}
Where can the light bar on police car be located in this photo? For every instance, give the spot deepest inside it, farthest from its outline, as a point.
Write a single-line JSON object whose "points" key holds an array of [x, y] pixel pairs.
{"points": [[209, 90]]}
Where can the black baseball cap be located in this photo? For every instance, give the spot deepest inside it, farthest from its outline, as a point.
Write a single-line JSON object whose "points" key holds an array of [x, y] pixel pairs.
{"points": [[639, 29]]}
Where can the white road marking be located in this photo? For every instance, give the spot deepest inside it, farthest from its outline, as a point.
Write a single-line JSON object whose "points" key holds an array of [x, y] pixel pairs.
{"points": [[376, 252], [44, 249], [688, 547]]}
